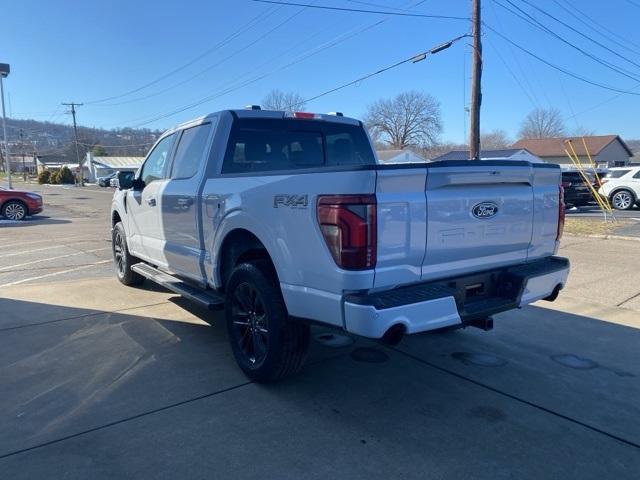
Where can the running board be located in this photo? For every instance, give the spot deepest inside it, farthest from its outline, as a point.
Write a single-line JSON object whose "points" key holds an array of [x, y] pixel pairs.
{"points": [[207, 299]]}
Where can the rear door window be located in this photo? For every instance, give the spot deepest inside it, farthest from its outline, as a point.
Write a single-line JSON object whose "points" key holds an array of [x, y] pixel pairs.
{"points": [[616, 173], [190, 151], [261, 145]]}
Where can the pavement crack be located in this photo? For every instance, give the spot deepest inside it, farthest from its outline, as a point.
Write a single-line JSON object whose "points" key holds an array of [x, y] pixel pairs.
{"points": [[519, 399], [124, 420], [633, 297], [84, 315], [150, 412]]}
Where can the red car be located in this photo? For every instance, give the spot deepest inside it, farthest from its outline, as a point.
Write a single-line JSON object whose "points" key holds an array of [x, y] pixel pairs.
{"points": [[16, 205]]}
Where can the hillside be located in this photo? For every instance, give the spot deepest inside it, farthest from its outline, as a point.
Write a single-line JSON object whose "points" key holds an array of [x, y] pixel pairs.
{"points": [[46, 138]]}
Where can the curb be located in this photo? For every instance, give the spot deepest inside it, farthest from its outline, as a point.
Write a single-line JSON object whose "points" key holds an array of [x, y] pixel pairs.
{"points": [[603, 237]]}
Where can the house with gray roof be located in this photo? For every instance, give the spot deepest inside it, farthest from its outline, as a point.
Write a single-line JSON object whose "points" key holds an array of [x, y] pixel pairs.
{"points": [[521, 154]]}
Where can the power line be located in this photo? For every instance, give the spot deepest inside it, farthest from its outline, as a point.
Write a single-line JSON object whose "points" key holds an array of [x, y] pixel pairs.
{"points": [[247, 26], [561, 69], [526, 78], [415, 58], [310, 53], [361, 10], [210, 67], [301, 58], [604, 102], [377, 5], [544, 12], [533, 102], [568, 7], [533, 21]]}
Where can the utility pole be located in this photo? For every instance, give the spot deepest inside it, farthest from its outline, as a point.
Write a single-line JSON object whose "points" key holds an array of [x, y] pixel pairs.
{"points": [[4, 72], [24, 172], [35, 158], [73, 106], [476, 76]]}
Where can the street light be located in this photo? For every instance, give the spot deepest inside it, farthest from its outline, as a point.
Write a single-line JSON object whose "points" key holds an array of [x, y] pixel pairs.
{"points": [[4, 72]]}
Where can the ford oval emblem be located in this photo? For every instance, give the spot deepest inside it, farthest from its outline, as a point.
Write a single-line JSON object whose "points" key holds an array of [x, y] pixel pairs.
{"points": [[484, 210]]}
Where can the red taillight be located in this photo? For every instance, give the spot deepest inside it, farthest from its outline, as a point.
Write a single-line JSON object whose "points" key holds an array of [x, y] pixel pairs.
{"points": [[303, 115], [561, 213], [348, 224]]}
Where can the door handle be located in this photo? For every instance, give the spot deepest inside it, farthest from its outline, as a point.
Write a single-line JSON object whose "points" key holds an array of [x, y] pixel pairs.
{"points": [[185, 201], [151, 202]]}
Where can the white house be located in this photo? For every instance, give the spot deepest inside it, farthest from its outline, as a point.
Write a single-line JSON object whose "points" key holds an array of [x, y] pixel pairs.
{"points": [[103, 166], [399, 156]]}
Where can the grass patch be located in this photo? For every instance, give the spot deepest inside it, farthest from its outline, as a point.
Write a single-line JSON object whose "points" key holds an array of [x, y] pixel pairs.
{"points": [[593, 226]]}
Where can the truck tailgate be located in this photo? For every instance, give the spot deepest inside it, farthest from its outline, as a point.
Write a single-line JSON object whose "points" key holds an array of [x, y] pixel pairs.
{"points": [[478, 217], [459, 217]]}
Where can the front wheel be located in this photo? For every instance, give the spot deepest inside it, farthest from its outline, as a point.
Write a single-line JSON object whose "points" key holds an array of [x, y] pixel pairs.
{"points": [[622, 200], [267, 344], [122, 259], [14, 210]]}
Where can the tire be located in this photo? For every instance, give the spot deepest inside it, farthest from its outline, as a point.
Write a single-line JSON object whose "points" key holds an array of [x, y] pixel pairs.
{"points": [[15, 210], [266, 343], [122, 259], [623, 200]]}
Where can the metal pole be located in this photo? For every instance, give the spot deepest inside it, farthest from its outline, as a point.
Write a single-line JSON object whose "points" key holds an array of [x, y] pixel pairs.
{"points": [[4, 133], [476, 94]]}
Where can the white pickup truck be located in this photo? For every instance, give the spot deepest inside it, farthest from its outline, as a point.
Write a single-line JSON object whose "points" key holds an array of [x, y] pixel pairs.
{"points": [[285, 219]]}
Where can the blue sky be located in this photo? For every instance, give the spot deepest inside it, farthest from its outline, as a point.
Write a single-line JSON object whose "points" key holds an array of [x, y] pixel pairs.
{"points": [[87, 51]]}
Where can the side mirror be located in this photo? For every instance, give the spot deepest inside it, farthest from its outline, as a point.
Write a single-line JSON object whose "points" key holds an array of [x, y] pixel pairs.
{"points": [[126, 180]]}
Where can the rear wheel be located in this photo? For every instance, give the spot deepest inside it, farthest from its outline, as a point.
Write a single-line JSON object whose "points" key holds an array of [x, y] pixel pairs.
{"points": [[122, 259], [622, 200], [266, 342], [14, 210]]}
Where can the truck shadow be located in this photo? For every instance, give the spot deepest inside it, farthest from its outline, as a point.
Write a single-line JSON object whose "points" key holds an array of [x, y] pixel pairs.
{"points": [[68, 370], [33, 221]]}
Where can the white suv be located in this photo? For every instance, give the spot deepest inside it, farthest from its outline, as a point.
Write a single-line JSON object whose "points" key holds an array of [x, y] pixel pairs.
{"points": [[622, 186]]}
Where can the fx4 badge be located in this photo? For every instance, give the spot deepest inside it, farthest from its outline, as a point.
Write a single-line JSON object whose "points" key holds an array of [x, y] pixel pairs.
{"points": [[291, 201], [484, 210]]}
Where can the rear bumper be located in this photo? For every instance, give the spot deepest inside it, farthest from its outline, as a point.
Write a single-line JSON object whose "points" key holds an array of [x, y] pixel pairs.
{"points": [[454, 301]]}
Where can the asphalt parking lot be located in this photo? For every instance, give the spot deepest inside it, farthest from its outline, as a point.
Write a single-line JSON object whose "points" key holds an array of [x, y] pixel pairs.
{"points": [[103, 381]]}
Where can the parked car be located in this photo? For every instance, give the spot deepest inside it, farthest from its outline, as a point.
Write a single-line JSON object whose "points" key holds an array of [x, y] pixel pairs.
{"points": [[284, 219], [105, 181], [622, 186], [17, 204], [114, 181], [576, 192]]}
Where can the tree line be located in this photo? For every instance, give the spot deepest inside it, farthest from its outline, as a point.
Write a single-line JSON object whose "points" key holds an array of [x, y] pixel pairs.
{"points": [[413, 120]]}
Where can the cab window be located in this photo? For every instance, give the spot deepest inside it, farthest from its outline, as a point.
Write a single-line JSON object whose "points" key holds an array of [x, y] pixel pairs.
{"points": [[155, 166], [190, 151]]}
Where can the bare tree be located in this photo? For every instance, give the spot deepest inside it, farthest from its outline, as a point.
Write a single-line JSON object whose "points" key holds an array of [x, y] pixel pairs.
{"points": [[581, 131], [411, 119], [543, 123], [279, 100], [495, 139]]}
